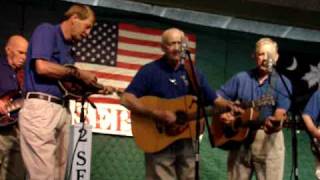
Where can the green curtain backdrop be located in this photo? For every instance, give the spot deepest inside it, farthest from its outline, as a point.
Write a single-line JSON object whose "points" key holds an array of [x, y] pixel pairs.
{"points": [[220, 54]]}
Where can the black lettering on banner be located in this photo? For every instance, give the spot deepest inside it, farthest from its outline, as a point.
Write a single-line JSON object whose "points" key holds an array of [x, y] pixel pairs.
{"points": [[82, 159], [80, 174], [83, 133]]}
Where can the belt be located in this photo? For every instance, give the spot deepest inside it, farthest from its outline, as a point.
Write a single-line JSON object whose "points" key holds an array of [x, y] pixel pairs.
{"points": [[45, 97]]}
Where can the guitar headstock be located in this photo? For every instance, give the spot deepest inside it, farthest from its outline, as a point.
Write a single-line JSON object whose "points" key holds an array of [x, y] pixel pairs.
{"points": [[109, 90]]}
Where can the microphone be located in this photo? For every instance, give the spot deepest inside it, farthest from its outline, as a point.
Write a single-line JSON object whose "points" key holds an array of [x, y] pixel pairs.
{"points": [[269, 62], [183, 49]]}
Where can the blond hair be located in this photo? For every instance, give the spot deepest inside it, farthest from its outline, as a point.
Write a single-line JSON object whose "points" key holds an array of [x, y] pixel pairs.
{"points": [[82, 11], [264, 41]]}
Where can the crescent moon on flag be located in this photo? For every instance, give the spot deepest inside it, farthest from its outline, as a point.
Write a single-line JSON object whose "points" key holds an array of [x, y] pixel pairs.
{"points": [[294, 65]]}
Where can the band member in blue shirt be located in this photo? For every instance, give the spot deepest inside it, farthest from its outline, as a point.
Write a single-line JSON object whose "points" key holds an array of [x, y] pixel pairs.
{"points": [[45, 118], [167, 78], [11, 69], [263, 152], [311, 118]]}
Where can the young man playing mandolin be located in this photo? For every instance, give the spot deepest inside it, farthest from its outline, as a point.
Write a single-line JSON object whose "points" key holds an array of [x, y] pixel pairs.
{"points": [[45, 118], [262, 152], [11, 165], [166, 78]]}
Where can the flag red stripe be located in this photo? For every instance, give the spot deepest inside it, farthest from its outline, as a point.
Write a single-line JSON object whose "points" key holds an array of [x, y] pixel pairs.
{"points": [[139, 42], [128, 65], [105, 100], [191, 37], [145, 43], [138, 54], [113, 76], [151, 31], [134, 28]]}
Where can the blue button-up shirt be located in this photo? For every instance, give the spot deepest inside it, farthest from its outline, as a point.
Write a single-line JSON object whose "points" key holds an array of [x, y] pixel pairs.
{"points": [[245, 87], [159, 79], [8, 78], [48, 43], [313, 107]]}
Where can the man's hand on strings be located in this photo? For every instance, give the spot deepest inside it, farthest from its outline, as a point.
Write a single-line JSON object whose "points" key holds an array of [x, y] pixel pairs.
{"points": [[165, 116], [87, 77], [272, 125]]}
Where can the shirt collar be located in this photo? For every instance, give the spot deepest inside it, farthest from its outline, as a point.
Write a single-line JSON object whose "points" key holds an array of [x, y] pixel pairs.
{"points": [[165, 63], [254, 73], [4, 61], [59, 29]]}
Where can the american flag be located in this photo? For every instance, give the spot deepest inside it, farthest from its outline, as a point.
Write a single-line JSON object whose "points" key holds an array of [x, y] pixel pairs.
{"points": [[115, 52]]}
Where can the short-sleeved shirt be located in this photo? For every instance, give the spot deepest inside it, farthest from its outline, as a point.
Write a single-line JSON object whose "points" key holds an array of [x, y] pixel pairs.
{"points": [[245, 87], [48, 43], [159, 79], [8, 78], [313, 107]]}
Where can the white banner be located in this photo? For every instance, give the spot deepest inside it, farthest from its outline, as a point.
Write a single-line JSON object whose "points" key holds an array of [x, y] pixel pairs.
{"points": [[105, 119], [80, 152]]}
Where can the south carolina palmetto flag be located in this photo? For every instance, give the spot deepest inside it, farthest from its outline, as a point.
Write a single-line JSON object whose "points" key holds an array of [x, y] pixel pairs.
{"points": [[115, 52]]}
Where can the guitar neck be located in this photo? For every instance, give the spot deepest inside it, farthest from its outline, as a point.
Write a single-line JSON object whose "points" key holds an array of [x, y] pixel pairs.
{"points": [[263, 101], [252, 104]]}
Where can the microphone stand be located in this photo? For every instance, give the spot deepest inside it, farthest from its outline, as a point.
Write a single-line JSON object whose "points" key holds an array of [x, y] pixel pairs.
{"points": [[200, 111], [85, 98], [294, 116], [82, 130]]}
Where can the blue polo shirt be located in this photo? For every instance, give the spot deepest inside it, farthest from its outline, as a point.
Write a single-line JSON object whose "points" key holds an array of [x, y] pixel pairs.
{"points": [[48, 43], [313, 107], [159, 79], [245, 87], [8, 77]]}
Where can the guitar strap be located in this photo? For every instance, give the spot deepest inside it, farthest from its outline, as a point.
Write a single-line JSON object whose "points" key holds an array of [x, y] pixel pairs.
{"points": [[194, 82], [268, 92], [189, 67], [20, 78], [271, 86]]}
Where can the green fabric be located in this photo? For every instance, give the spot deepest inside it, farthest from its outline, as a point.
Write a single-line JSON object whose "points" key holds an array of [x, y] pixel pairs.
{"points": [[118, 158]]}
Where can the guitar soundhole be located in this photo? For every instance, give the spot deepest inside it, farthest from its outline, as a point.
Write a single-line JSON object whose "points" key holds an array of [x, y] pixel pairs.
{"points": [[181, 117], [229, 131]]}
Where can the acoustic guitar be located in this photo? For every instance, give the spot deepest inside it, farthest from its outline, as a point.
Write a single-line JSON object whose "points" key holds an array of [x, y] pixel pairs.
{"points": [[12, 106], [152, 136], [227, 136]]}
